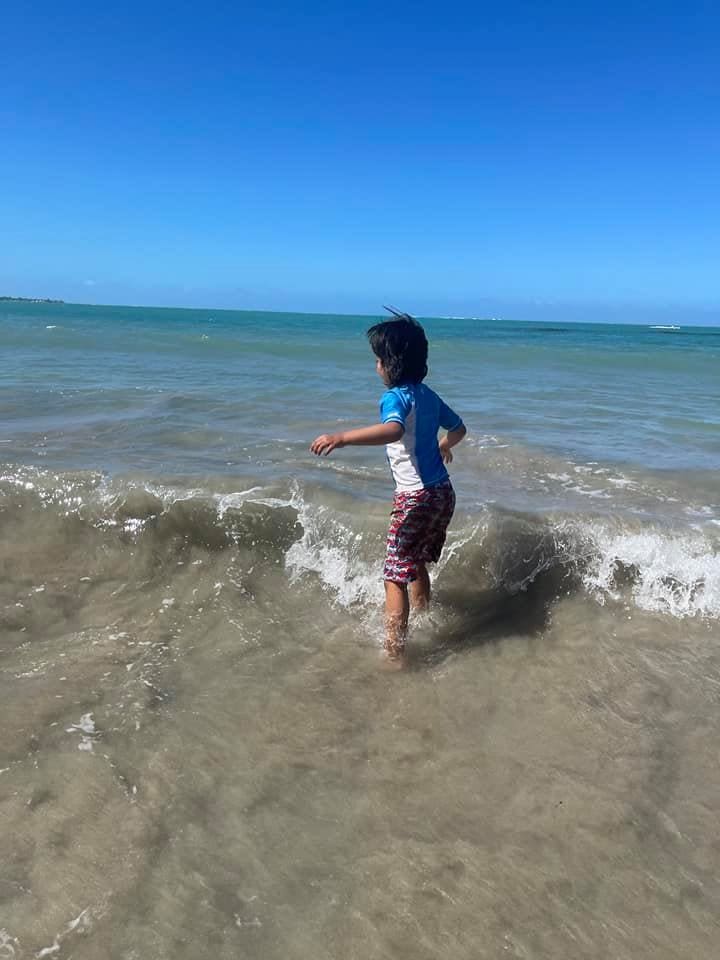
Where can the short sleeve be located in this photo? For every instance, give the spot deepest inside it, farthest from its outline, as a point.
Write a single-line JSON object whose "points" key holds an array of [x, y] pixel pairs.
{"points": [[394, 407], [449, 420]]}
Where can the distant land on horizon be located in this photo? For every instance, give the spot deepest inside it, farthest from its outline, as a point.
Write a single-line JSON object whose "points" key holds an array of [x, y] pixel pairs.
{"points": [[30, 300]]}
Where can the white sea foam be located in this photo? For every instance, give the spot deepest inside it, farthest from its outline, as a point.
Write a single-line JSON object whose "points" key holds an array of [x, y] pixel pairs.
{"points": [[622, 482], [7, 945], [86, 726], [82, 922], [332, 550], [230, 501], [677, 575], [596, 494]]}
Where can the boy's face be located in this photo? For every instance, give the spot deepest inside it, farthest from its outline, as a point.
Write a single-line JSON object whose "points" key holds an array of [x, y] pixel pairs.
{"points": [[381, 371]]}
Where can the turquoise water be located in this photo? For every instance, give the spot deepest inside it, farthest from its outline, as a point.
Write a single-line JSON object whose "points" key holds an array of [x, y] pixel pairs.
{"points": [[185, 390]]}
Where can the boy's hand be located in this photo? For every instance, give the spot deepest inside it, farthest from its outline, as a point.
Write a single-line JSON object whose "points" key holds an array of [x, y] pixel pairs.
{"points": [[326, 443], [445, 451]]}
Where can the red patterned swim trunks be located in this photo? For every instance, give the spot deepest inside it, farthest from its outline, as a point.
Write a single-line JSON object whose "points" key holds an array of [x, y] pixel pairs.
{"points": [[418, 525]]}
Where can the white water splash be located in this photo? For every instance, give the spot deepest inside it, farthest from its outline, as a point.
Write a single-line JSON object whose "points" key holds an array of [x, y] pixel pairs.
{"points": [[676, 575], [7, 945], [333, 551]]}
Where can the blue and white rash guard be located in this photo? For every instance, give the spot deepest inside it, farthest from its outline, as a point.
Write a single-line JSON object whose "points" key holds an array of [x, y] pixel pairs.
{"points": [[415, 458]]}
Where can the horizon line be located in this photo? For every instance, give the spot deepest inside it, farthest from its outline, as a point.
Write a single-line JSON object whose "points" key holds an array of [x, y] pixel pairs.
{"points": [[55, 302]]}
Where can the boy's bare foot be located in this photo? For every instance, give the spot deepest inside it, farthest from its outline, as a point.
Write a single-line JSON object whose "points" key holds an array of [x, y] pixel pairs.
{"points": [[393, 662]]}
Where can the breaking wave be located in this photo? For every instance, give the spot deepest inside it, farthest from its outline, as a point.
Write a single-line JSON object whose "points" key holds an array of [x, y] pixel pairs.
{"points": [[47, 517]]}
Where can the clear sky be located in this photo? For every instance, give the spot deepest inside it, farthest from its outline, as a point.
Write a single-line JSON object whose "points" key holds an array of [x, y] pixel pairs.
{"points": [[517, 159]]}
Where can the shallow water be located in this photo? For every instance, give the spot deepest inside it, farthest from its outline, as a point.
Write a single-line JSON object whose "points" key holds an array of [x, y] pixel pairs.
{"points": [[200, 757]]}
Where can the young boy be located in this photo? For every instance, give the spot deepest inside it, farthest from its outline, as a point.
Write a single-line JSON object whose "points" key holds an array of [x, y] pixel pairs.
{"points": [[411, 415]]}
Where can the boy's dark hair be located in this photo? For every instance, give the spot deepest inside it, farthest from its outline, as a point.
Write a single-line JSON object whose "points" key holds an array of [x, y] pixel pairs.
{"points": [[402, 347]]}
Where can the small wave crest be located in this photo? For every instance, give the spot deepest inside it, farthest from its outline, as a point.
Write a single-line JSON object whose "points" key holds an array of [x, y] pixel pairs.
{"points": [[664, 572], [345, 559]]}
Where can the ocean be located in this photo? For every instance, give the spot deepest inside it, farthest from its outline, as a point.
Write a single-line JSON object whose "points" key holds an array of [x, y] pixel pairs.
{"points": [[200, 757]]}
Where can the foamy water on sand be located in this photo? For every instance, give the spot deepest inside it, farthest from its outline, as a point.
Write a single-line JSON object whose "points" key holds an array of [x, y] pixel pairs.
{"points": [[200, 757]]}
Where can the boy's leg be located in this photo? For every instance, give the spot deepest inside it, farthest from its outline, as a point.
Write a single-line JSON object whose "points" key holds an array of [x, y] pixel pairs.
{"points": [[420, 588], [397, 608]]}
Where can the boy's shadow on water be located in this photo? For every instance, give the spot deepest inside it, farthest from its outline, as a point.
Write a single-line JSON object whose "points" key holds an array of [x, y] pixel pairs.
{"points": [[488, 616]]}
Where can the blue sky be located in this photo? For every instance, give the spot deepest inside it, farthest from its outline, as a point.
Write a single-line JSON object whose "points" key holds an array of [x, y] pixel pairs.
{"points": [[517, 159]]}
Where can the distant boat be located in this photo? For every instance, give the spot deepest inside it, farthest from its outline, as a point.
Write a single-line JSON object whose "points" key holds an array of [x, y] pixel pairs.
{"points": [[667, 328]]}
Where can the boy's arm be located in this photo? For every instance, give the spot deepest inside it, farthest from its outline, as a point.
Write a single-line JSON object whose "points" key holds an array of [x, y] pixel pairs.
{"points": [[451, 439], [363, 436]]}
